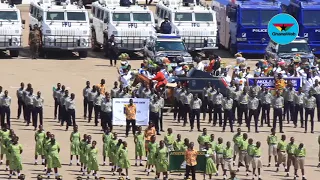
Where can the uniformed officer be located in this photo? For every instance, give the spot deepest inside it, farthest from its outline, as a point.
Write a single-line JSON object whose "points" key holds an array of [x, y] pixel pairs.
{"points": [[114, 90], [316, 92], [112, 50], [243, 147], [254, 89], [272, 142], [282, 154], [97, 107], [120, 91], [219, 154], [64, 110], [5, 102], [277, 103], [85, 93], [34, 41], [38, 110], [253, 106], [291, 147], [300, 155], [91, 96], [243, 106], [29, 101], [181, 104], [106, 113], [59, 96], [126, 93], [21, 106], [227, 159], [237, 138], [256, 163], [186, 97], [165, 27], [298, 100], [161, 102], [70, 105], [217, 104], [289, 94], [309, 105], [205, 93], [212, 92], [195, 105], [176, 103], [154, 113], [235, 96], [228, 112], [266, 99], [56, 97]]}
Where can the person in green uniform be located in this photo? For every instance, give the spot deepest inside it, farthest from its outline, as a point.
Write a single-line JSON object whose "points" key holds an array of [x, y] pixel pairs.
{"points": [[15, 151], [227, 159], [139, 146], [82, 147], [152, 149], [291, 147], [4, 134], [92, 164], [256, 163], [300, 155], [112, 145], [162, 162], [250, 152], [86, 147], [237, 138], [219, 154], [39, 138], [212, 142], [106, 139], [282, 154], [272, 142], [75, 145], [169, 140], [178, 143], [8, 142], [46, 143], [203, 138], [243, 147], [115, 155], [210, 165], [53, 157], [123, 159]]}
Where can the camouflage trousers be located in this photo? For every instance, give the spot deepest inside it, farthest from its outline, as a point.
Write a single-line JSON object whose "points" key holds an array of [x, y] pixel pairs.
{"points": [[34, 50]]}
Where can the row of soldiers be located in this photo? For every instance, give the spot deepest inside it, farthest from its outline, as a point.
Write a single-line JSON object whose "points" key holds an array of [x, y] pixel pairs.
{"points": [[249, 102]]}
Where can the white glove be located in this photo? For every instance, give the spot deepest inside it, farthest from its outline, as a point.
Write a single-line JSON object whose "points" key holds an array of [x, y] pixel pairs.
{"points": [[207, 155]]}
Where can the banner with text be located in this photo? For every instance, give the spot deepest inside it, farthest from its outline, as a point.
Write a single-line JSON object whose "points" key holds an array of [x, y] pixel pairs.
{"points": [[177, 162], [118, 116], [269, 82]]}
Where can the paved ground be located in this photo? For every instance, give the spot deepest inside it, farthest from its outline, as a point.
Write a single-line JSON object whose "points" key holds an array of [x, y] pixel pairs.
{"points": [[72, 72]]}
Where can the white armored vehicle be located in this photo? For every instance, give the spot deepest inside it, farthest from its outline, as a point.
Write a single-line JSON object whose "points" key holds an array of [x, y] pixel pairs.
{"points": [[63, 27], [196, 24], [11, 27], [131, 25]]}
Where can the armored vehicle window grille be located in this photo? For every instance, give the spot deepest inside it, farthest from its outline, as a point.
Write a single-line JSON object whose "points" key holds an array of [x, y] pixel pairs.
{"points": [[266, 16], [31, 10], [311, 17], [183, 17], [121, 17], [203, 17], [8, 15], [76, 16], [101, 15], [250, 17], [55, 16], [294, 48], [98, 13], [162, 13], [141, 17], [158, 11], [170, 46], [93, 10]]}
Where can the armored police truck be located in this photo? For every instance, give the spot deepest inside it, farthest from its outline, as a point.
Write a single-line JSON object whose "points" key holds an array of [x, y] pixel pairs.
{"points": [[11, 27], [243, 24], [131, 25], [63, 27], [195, 23]]}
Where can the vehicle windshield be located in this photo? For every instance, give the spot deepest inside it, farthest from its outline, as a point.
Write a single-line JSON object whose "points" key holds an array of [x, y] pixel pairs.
{"points": [[250, 17], [170, 46], [203, 17], [141, 17], [266, 16], [120, 17], [57, 16], [8, 15], [183, 16], [76, 16], [311, 17], [294, 48]]}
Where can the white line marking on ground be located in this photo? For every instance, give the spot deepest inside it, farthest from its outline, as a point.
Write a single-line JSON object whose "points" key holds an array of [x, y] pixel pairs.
{"points": [[14, 87]]}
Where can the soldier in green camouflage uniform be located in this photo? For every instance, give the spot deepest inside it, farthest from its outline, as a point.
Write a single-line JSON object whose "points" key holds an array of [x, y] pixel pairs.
{"points": [[34, 41]]}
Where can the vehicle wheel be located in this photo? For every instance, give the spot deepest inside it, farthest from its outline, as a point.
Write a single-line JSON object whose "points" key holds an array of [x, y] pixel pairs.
{"points": [[14, 53], [83, 54], [94, 45], [42, 53]]}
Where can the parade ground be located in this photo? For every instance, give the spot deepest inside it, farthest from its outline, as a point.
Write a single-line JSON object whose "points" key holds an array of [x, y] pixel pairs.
{"points": [[73, 72]]}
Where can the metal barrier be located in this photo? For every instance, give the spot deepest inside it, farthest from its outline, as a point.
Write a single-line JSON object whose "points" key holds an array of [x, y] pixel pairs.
{"points": [[65, 41], [198, 41], [131, 42], [6, 41]]}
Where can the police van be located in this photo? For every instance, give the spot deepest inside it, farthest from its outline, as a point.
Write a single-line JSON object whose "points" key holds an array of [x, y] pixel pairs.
{"points": [[11, 27], [63, 26], [131, 25], [196, 24]]}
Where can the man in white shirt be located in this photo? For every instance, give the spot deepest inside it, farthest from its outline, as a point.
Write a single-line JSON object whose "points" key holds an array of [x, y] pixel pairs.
{"points": [[5, 102], [200, 64], [227, 78]]}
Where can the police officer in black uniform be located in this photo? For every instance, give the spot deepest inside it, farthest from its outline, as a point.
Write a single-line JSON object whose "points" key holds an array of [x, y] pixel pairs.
{"points": [[165, 27]]}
